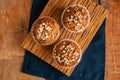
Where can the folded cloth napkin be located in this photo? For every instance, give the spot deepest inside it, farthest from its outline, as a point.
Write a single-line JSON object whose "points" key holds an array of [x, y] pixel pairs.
{"points": [[91, 67]]}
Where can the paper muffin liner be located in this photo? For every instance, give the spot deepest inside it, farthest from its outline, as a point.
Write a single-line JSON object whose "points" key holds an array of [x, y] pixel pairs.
{"points": [[73, 5], [79, 53], [34, 36]]}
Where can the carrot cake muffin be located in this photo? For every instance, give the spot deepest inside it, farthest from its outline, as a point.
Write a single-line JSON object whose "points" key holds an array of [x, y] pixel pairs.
{"points": [[45, 30], [75, 18], [67, 53]]}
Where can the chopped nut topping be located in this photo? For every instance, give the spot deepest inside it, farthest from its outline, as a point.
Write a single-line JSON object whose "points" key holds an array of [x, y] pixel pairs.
{"points": [[64, 51], [42, 35], [79, 24], [68, 10], [71, 18], [67, 63], [43, 24], [75, 21], [76, 15], [83, 10], [64, 42], [53, 34], [76, 53], [48, 28], [62, 47], [67, 53], [45, 30], [80, 16]]}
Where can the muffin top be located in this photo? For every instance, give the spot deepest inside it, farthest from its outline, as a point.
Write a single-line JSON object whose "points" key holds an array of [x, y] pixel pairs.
{"points": [[67, 53], [75, 18], [45, 30]]}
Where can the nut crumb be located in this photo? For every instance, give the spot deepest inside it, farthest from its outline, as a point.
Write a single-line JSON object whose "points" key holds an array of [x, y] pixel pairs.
{"points": [[68, 10]]}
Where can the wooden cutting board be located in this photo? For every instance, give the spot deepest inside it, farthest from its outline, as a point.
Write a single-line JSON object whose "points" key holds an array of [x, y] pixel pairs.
{"points": [[54, 8]]}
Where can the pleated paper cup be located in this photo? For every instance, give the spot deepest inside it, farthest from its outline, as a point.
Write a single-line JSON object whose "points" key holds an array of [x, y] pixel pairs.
{"points": [[56, 53]]}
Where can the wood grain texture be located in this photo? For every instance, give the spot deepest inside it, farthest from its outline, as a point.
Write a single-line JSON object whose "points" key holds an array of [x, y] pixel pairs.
{"points": [[54, 9], [113, 42], [14, 19]]}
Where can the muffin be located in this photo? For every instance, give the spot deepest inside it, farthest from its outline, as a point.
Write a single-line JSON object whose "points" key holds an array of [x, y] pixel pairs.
{"points": [[45, 30], [75, 18], [67, 53]]}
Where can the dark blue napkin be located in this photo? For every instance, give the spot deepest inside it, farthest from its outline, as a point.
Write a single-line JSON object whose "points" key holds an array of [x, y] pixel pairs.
{"points": [[91, 67]]}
